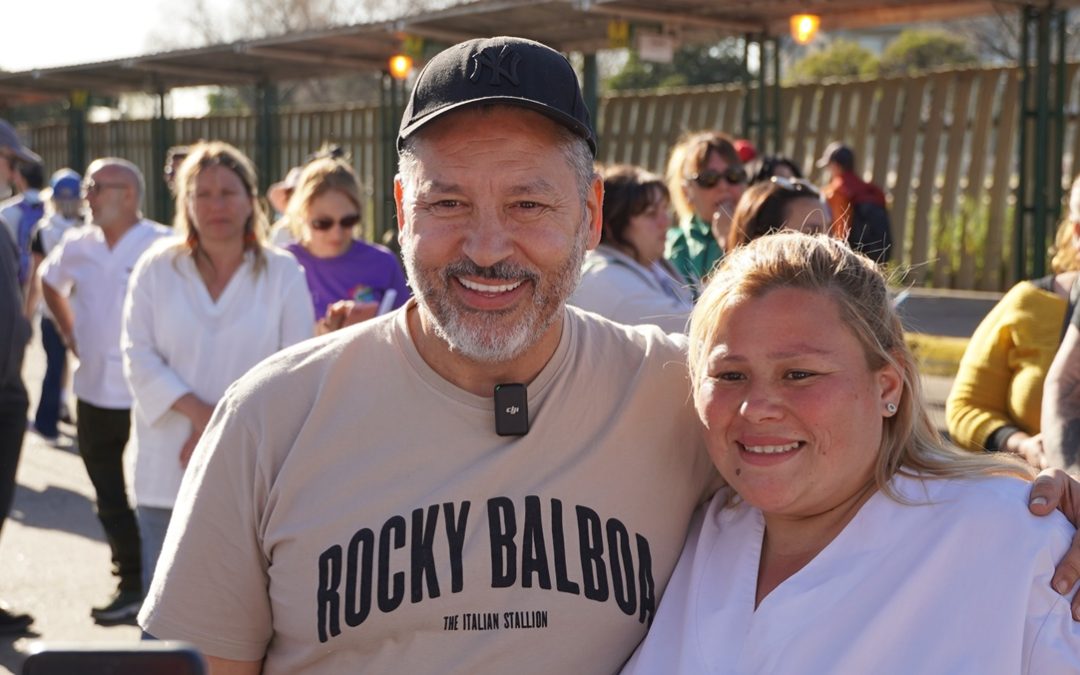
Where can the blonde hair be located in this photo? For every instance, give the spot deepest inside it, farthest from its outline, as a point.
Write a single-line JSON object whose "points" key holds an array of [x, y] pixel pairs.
{"points": [[910, 444], [203, 155], [689, 156], [1065, 256], [317, 178]]}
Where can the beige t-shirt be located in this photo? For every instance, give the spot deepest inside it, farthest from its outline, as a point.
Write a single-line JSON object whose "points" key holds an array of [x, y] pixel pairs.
{"points": [[350, 511]]}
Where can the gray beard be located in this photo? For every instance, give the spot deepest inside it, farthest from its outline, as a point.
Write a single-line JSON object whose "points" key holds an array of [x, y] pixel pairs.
{"points": [[481, 336]]}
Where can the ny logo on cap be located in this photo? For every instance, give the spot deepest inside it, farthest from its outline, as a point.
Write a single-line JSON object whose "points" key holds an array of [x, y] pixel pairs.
{"points": [[502, 61]]}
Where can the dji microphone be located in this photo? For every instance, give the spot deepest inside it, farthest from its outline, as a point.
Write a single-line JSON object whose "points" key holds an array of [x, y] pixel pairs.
{"points": [[511, 410]]}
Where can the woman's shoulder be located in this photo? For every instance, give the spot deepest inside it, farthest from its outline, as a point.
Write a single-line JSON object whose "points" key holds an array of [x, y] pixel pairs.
{"points": [[999, 501]]}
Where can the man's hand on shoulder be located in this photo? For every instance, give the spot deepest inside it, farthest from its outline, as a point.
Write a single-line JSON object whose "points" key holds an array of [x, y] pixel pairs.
{"points": [[1055, 489]]}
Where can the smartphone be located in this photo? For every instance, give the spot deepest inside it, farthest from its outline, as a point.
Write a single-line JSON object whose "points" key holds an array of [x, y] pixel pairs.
{"points": [[151, 656]]}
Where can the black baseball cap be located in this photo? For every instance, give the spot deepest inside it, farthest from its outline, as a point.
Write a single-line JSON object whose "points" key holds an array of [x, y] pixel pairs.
{"points": [[503, 70], [839, 153]]}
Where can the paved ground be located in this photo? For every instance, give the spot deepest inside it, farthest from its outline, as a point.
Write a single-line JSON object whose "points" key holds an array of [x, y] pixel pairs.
{"points": [[53, 559]]}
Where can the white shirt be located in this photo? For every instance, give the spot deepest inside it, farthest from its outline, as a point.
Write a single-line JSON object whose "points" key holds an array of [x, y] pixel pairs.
{"points": [[52, 229], [619, 288], [94, 278], [178, 340], [958, 586]]}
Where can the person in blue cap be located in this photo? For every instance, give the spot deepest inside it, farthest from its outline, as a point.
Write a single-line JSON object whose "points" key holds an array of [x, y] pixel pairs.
{"points": [[65, 213]]}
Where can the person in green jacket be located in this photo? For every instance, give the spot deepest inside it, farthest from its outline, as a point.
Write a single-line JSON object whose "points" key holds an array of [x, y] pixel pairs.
{"points": [[706, 178]]}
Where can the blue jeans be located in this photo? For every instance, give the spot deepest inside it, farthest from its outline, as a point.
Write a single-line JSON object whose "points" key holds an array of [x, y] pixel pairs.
{"points": [[48, 409], [153, 524]]}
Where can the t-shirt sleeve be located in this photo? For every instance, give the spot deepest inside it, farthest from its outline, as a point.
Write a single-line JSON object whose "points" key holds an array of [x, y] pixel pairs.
{"points": [[210, 585], [1051, 635]]}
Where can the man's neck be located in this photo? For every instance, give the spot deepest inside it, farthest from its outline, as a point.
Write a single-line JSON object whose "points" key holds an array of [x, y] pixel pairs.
{"points": [[115, 231], [473, 376]]}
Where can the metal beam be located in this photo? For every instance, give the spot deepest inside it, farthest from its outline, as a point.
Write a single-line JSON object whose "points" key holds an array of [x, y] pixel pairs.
{"points": [[677, 19], [198, 74], [299, 56]]}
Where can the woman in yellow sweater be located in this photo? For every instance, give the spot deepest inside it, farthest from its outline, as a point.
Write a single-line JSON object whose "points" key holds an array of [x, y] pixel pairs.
{"points": [[996, 397]]}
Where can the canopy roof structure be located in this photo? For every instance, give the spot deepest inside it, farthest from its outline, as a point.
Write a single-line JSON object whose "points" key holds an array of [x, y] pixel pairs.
{"points": [[567, 25]]}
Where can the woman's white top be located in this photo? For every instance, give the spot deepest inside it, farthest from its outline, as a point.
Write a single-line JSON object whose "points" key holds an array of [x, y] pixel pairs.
{"points": [[617, 287], [178, 340], [959, 583]]}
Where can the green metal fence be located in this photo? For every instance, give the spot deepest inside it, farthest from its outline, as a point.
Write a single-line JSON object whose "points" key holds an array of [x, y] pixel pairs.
{"points": [[943, 145]]}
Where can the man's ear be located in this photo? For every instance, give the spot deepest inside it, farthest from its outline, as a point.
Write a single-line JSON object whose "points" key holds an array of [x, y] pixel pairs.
{"points": [[594, 204], [399, 197]]}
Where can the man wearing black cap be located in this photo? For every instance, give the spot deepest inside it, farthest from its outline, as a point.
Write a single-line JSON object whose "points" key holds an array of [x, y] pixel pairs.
{"points": [[483, 481]]}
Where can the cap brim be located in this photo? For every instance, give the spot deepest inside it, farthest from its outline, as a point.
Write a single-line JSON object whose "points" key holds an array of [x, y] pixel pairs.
{"points": [[822, 163], [25, 154], [554, 115]]}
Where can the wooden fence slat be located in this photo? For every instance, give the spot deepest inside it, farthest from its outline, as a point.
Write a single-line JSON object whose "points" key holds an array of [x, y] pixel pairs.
{"points": [[801, 149], [907, 142], [863, 109], [947, 236], [921, 225], [971, 205], [996, 274], [885, 121]]}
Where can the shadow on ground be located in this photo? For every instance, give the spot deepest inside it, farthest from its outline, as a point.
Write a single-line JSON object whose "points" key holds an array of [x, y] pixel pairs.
{"points": [[56, 508]]}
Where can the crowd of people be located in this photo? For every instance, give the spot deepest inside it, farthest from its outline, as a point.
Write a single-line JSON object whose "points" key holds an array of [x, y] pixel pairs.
{"points": [[564, 433]]}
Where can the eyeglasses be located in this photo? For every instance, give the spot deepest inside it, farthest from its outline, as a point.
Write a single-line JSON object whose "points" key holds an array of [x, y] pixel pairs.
{"points": [[92, 187], [796, 185], [710, 177], [347, 222]]}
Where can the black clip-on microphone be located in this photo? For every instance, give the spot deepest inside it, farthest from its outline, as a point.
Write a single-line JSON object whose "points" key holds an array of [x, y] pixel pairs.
{"points": [[511, 409]]}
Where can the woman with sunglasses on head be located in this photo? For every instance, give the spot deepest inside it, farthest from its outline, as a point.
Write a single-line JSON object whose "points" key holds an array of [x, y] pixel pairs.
{"points": [[202, 308], [626, 278], [777, 204], [350, 280], [706, 178]]}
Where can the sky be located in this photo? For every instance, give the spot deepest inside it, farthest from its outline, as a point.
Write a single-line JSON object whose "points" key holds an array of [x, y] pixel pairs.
{"points": [[67, 32]]}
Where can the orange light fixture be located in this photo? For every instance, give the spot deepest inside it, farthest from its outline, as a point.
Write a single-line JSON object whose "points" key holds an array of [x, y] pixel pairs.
{"points": [[400, 66], [804, 27]]}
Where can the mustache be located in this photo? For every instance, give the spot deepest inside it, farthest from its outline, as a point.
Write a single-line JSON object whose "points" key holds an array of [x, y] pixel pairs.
{"points": [[500, 271]]}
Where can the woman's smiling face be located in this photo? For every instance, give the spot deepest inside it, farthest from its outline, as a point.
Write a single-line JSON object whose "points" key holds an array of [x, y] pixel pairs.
{"points": [[793, 412]]}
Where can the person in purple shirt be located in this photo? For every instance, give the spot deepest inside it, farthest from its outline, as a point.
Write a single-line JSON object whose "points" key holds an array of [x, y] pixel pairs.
{"points": [[350, 280]]}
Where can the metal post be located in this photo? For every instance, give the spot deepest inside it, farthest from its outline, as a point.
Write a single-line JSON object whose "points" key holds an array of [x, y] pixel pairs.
{"points": [[267, 148], [77, 130], [387, 157], [1042, 145], [748, 104], [591, 87], [1019, 251], [763, 117], [777, 137], [1056, 167], [161, 140]]}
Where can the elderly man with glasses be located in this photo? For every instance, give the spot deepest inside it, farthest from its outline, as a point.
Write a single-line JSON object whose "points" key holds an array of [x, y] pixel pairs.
{"points": [[84, 280]]}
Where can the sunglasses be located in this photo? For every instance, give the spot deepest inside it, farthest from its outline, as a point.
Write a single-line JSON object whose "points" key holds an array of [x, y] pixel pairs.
{"points": [[92, 187], [347, 222], [710, 177], [796, 185]]}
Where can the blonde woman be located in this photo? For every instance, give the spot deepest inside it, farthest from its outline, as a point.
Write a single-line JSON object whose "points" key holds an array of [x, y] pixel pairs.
{"points": [[350, 279], [851, 539], [202, 308]]}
